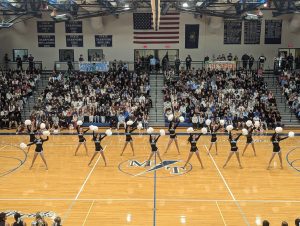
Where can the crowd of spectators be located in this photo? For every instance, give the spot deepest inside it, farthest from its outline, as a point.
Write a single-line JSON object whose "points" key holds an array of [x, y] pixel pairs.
{"points": [[290, 85], [15, 89], [245, 62], [19, 221], [235, 96], [105, 97]]}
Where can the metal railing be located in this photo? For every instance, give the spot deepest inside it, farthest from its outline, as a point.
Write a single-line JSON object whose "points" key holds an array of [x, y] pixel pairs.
{"points": [[145, 65], [25, 65]]}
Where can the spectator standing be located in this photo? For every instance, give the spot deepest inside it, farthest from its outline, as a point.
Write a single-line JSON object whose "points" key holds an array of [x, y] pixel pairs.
{"points": [[19, 63], [229, 57], [152, 63], [70, 64], [245, 59], [177, 64], [31, 63], [81, 58], [251, 61], [188, 62], [6, 61], [165, 62], [262, 59], [290, 60], [206, 59]]}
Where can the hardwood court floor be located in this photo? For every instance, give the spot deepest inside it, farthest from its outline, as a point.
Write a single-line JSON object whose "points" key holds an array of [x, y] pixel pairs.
{"points": [[106, 196]]}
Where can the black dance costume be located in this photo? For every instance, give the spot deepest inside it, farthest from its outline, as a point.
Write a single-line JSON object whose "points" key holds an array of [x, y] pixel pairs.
{"points": [[97, 140], [249, 136], [213, 133], [31, 134], [193, 142], [39, 144], [128, 134], [81, 135], [172, 130], [233, 142], [275, 141], [153, 143]]}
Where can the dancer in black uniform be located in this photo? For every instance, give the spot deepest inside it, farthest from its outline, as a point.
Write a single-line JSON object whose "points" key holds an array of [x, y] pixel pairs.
{"points": [[275, 139], [31, 131], [173, 137], [154, 150], [128, 138], [38, 141], [234, 149], [82, 140], [97, 138], [194, 149], [249, 140], [213, 131]]}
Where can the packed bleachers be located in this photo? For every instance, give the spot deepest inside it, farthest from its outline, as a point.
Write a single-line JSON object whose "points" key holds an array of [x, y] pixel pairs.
{"points": [[290, 85], [16, 87], [104, 98], [235, 96]]}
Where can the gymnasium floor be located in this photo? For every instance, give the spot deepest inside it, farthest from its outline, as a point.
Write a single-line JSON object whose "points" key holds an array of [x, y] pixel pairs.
{"points": [[125, 193]]}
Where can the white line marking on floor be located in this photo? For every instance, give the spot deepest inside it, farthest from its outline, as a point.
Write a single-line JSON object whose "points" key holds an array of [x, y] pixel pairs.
{"points": [[228, 188], [221, 214], [161, 199], [88, 176], [88, 213]]}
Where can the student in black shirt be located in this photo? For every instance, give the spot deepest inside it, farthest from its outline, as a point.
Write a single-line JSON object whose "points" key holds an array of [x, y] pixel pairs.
{"points": [[97, 138], [193, 138], [234, 149], [81, 139], [38, 141]]}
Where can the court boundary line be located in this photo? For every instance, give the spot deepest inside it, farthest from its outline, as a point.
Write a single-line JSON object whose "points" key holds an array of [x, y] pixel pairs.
{"points": [[21, 162], [292, 162], [154, 193], [145, 199], [228, 188], [88, 213], [221, 213]]}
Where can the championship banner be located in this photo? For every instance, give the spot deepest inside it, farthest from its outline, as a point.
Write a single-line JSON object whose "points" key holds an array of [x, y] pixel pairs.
{"points": [[232, 32], [191, 36], [273, 30], [46, 40]]}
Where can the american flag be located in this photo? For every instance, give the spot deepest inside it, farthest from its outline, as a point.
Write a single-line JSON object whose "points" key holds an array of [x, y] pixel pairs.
{"points": [[168, 32]]}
